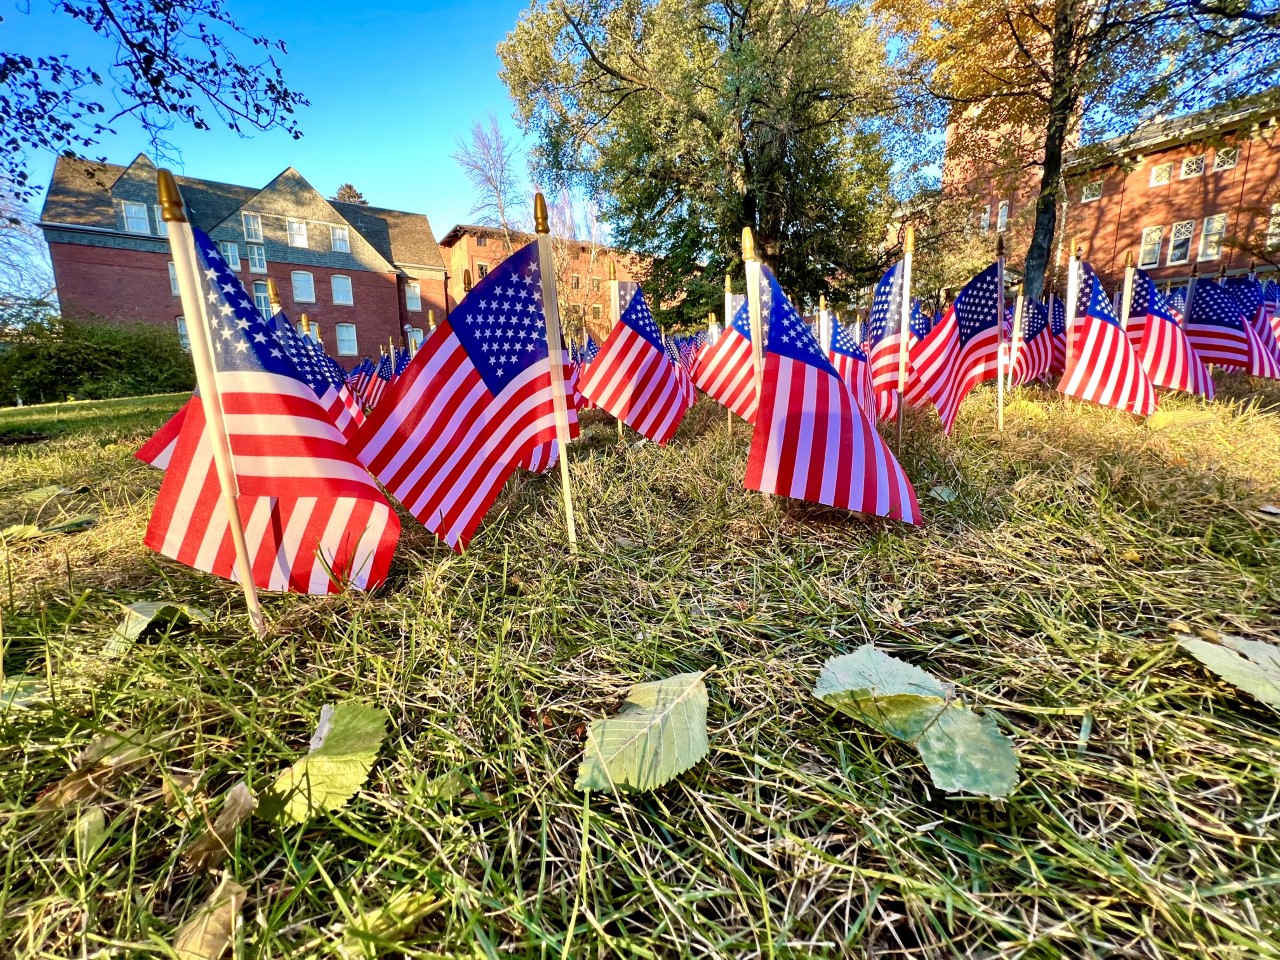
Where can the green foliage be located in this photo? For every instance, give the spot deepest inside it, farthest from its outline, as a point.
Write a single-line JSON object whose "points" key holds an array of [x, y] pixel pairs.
{"points": [[70, 360], [1251, 665], [660, 732], [690, 120]]}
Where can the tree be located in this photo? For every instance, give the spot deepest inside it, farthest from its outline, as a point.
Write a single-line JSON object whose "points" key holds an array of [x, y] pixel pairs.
{"points": [[173, 61], [489, 162], [691, 119], [1028, 79], [349, 194]]}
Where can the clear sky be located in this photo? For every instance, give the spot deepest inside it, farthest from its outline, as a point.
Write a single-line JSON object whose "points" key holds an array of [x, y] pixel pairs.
{"points": [[393, 84]]}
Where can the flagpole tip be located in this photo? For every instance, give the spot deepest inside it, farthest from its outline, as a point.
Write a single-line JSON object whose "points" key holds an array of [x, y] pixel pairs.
{"points": [[170, 198], [728, 283], [999, 246], [909, 243], [273, 294], [1128, 260], [466, 274], [822, 301], [748, 244], [541, 223], [613, 270]]}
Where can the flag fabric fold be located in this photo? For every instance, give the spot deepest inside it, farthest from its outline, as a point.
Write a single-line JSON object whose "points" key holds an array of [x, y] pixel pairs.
{"points": [[850, 362], [1221, 334], [1162, 346], [1032, 346], [725, 371], [1101, 364]]}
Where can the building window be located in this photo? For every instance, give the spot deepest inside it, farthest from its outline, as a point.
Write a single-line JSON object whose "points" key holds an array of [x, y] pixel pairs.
{"points": [[339, 240], [262, 299], [1211, 234], [595, 311], [984, 219], [231, 253], [416, 336], [595, 283], [482, 241], [162, 228], [1149, 255], [1162, 174], [252, 227], [173, 279], [136, 218], [257, 258], [1273, 228], [1002, 217], [1180, 242], [184, 341], [341, 289], [1225, 158], [575, 282], [297, 233], [346, 333], [1192, 167], [304, 287], [1091, 191], [413, 297]]}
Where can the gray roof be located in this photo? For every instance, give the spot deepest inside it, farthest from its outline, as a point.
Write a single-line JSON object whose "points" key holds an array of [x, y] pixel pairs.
{"points": [[400, 237]]}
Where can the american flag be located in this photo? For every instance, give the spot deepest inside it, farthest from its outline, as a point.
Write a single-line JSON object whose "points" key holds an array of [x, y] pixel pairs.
{"points": [[1161, 345], [547, 454], [850, 362], [1250, 295], [363, 373], [1058, 333], [1271, 306], [961, 351], [811, 441], [341, 404], [158, 451], [883, 339], [1221, 334], [1033, 348], [402, 361], [688, 394], [1178, 301], [474, 401], [314, 519], [1102, 367], [379, 382], [590, 350], [633, 377], [725, 372]]}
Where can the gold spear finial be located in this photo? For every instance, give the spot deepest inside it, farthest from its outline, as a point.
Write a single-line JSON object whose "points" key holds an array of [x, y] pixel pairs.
{"points": [[613, 271], [909, 244], [466, 280], [170, 199], [541, 224], [273, 293], [728, 284], [999, 246], [306, 324], [748, 245], [1128, 260], [822, 301]]}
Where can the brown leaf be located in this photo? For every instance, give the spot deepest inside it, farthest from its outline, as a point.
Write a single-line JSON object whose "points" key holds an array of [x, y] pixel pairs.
{"points": [[107, 757], [212, 848], [208, 934]]}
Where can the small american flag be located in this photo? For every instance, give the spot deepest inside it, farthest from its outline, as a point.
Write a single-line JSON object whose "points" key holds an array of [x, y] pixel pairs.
{"points": [[342, 405], [633, 377], [850, 362], [474, 401], [1250, 295], [1271, 306], [811, 441], [1033, 346], [1058, 332], [1161, 344], [1102, 367], [688, 393], [961, 351], [1220, 333], [363, 373], [725, 372], [379, 382], [884, 340], [313, 518]]}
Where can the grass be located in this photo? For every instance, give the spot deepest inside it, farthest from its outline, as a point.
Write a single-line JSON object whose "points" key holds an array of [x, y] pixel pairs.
{"points": [[1144, 824]]}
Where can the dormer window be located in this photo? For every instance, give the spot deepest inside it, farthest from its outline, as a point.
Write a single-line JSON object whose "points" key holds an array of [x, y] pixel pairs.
{"points": [[136, 219], [252, 227], [297, 233], [339, 240]]}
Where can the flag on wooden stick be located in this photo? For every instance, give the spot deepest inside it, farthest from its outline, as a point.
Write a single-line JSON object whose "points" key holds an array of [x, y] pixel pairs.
{"points": [[1101, 365]]}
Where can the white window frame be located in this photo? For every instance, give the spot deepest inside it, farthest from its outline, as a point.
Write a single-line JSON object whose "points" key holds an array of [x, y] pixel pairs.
{"points": [[482, 271], [339, 329], [1213, 229], [413, 297], [416, 336], [1152, 241], [575, 282], [184, 339], [984, 224], [1002, 217], [230, 251], [1273, 228], [350, 301], [297, 230], [1194, 164], [173, 280], [1162, 180], [595, 311], [311, 283], [135, 215], [262, 298], [1225, 158], [261, 251], [482, 241], [1091, 191], [252, 224], [1190, 230], [336, 234], [162, 228]]}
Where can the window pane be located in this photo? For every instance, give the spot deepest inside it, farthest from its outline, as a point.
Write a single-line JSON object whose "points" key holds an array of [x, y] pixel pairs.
{"points": [[341, 289], [1225, 158], [162, 228], [482, 241], [595, 311], [984, 220], [1192, 167], [415, 337], [1211, 235], [346, 336], [183, 339], [339, 239], [262, 299], [1273, 228], [230, 253], [252, 227], [413, 296], [1150, 254], [135, 218], [575, 282], [297, 233], [257, 258], [173, 279], [1092, 191], [304, 290], [1180, 241], [1002, 217], [1161, 174]]}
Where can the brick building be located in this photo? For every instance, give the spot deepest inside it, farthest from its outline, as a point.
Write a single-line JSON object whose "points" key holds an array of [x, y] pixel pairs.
{"points": [[360, 273], [582, 267], [1199, 190]]}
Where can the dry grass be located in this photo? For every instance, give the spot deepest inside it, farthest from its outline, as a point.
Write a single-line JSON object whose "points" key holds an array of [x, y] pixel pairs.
{"points": [[1144, 825]]}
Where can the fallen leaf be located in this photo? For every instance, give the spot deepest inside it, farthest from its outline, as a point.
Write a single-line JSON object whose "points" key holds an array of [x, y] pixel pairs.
{"points": [[107, 757], [213, 846], [21, 693], [90, 833], [943, 494], [29, 531], [1025, 408], [387, 926], [1251, 665], [141, 617], [208, 934], [44, 494], [1131, 556], [1179, 419]]}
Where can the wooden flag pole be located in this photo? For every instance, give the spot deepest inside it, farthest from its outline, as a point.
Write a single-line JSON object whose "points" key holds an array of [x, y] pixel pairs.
{"points": [[615, 316], [555, 356], [904, 328], [1001, 348], [1016, 334], [824, 321], [728, 321], [1073, 295], [182, 246], [1126, 292], [752, 265]]}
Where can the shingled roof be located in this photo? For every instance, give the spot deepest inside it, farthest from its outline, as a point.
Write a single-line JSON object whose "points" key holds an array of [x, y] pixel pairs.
{"points": [[400, 237]]}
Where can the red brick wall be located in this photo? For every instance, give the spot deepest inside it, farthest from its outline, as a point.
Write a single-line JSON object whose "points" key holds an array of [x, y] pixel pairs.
{"points": [[124, 286]]}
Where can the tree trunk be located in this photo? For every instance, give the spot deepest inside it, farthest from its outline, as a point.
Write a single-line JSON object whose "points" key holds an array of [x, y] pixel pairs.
{"points": [[1062, 103]]}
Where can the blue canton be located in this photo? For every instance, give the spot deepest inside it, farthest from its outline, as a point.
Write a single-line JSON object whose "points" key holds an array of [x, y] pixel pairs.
{"points": [[1035, 320], [639, 319], [843, 341], [1147, 300], [1058, 322], [1213, 306], [742, 320], [789, 335], [976, 307], [1247, 293], [1099, 306], [886, 306]]}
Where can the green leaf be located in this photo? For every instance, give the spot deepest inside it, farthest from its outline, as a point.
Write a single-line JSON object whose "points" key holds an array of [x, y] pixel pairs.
{"points": [[964, 752], [21, 693], [943, 494], [660, 732], [343, 751], [387, 926], [1251, 665], [141, 617], [29, 531], [90, 833], [1179, 419], [44, 494]]}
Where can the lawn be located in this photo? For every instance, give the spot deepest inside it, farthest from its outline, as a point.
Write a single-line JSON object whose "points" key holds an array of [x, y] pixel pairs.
{"points": [[1054, 559]]}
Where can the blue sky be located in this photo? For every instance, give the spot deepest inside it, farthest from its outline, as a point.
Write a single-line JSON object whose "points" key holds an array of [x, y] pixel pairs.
{"points": [[392, 86]]}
